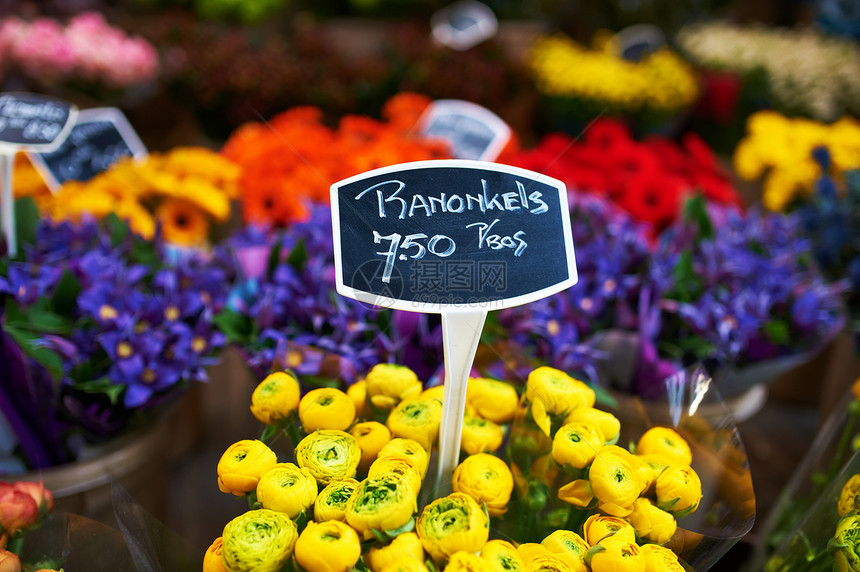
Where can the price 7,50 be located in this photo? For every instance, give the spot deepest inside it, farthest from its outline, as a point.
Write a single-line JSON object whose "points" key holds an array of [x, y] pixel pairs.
{"points": [[434, 246]]}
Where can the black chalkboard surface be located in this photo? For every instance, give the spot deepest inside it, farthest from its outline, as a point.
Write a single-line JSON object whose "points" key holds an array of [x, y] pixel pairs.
{"points": [[99, 137], [454, 234], [33, 121], [472, 131]]}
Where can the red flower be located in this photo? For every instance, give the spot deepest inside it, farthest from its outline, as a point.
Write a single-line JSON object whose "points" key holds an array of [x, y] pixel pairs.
{"points": [[720, 95], [18, 510], [606, 133], [654, 199]]}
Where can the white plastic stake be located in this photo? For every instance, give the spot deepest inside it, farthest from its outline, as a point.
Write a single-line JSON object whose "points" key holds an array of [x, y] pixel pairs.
{"points": [[7, 202], [461, 332]]}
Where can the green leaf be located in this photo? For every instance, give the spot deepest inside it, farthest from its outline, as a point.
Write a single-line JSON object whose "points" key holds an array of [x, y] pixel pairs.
{"points": [[274, 257], [114, 391], [686, 285], [298, 256], [26, 221], [65, 297], [235, 326], [118, 229], [31, 346], [777, 331], [696, 210], [46, 321]]}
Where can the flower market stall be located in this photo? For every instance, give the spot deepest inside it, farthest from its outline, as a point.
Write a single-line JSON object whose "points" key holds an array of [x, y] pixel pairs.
{"points": [[677, 400]]}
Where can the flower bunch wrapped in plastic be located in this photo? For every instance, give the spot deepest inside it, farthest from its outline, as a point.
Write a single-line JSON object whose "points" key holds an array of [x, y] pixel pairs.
{"points": [[649, 91], [86, 50], [649, 178], [291, 160], [778, 150], [100, 329], [552, 489], [183, 192], [796, 71], [24, 505]]}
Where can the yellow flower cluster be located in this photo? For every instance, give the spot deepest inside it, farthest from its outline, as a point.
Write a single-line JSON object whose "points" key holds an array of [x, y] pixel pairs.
{"points": [[844, 546], [778, 150], [182, 190], [350, 497], [661, 81]]}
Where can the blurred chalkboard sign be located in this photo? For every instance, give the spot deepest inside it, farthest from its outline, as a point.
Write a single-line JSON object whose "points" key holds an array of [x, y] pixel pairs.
{"points": [[99, 137], [473, 132], [434, 236], [464, 24], [32, 121], [640, 40]]}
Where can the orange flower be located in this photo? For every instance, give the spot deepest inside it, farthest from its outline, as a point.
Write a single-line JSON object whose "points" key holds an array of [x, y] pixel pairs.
{"points": [[182, 223]]}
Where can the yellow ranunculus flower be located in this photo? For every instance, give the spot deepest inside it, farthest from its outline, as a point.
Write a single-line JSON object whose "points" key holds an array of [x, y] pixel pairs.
{"points": [[259, 540], [650, 522], [212, 560], [553, 393], [326, 408], [463, 561], [667, 442], [452, 523], [383, 502], [614, 480], [406, 545], [655, 463], [569, 543], [486, 478], [409, 448], [529, 550], [401, 465], [845, 544], [287, 488], [576, 444], [405, 564], [480, 435], [275, 397], [848, 497], [330, 546], [608, 423], [329, 455], [416, 418], [388, 384], [598, 527], [545, 469], [435, 392], [577, 492], [618, 556], [678, 489], [358, 393], [549, 562], [242, 465], [660, 559], [330, 504], [371, 436], [492, 399], [501, 556]]}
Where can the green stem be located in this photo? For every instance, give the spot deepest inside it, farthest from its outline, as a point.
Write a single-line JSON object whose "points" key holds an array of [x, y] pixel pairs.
{"points": [[844, 442]]}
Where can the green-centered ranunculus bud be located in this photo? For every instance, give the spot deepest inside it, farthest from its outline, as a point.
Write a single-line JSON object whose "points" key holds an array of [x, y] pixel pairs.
{"points": [[371, 437], [848, 498], [275, 397], [416, 418], [330, 504], [406, 545], [329, 455], [389, 384], [258, 541], [384, 502], [845, 544], [570, 543], [486, 478], [678, 489], [401, 465], [600, 526], [492, 399], [326, 408], [411, 448], [331, 546], [616, 555], [576, 444], [665, 441], [212, 560], [654, 464], [242, 465], [452, 523], [577, 492], [466, 562], [650, 522], [614, 480], [608, 423], [480, 435], [287, 488], [660, 559], [501, 556], [549, 562]]}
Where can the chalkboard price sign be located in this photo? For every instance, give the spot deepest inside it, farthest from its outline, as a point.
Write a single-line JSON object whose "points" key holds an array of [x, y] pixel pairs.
{"points": [[33, 121], [99, 137], [473, 131], [434, 236]]}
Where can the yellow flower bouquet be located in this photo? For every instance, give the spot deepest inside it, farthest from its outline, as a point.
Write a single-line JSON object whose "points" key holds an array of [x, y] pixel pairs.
{"points": [[347, 479]]}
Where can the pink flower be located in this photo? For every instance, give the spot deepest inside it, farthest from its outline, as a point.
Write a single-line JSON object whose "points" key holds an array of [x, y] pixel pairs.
{"points": [[43, 497]]}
